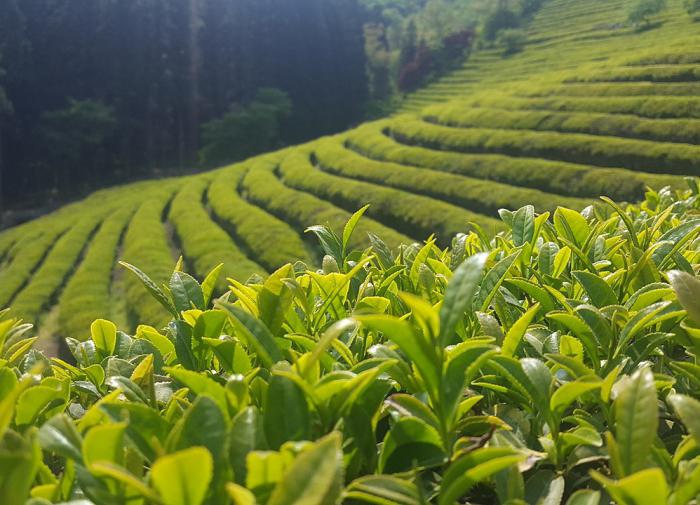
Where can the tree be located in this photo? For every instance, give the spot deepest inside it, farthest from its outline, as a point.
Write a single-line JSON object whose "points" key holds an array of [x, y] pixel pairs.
{"points": [[643, 10], [512, 40], [74, 140], [5, 111], [693, 8], [409, 44], [500, 19], [245, 130]]}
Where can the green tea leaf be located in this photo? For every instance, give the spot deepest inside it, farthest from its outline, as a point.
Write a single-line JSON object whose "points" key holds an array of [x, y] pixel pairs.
{"points": [[104, 334], [186, 292], [636, 419], [183, 478], [459, 295], [287, 414], [315, 477]]}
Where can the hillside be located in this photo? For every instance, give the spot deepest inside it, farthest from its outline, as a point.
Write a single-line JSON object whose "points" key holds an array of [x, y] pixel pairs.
{"points": [[590, 107]]}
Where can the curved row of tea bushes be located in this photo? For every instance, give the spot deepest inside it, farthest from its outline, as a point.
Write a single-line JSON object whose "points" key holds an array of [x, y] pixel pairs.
{"points": [[271, 242], [615, 125], [655, 157], [682, 57], [204, 243], [652, 107], [7, 243], [548, 365], [56, 267], [146, 244], [658, 73], [551, 176], [87, 295], [480, 195], [621, 89], [261, 186], [29, 255], [414, 215]]}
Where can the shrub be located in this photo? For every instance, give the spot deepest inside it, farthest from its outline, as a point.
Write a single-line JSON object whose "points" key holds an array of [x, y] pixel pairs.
{"points": [[667, 107], [498, 20], [245, 130], [660, 73], [414, 73], [298, 208], [203, 242], [642, 11], [482, 196], [57, 265], [29, 253], [87, 294], [146, 242], [552, 176], [693, 8], [271, 241], [617, 125], [557, 359], [414, 215], [657, 157], [512, 40]]}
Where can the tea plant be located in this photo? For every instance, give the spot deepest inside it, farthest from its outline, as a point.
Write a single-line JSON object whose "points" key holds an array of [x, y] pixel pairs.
{"points": [[556, 362]]}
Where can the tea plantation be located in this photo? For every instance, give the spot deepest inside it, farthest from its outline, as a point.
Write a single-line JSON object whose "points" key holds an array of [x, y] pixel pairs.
{"points": [[512, 315], [554, 363], [591, 106]]}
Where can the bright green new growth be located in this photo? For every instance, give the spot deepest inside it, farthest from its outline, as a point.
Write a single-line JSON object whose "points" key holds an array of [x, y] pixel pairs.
{"points": [[590, 106], [556, 362]]}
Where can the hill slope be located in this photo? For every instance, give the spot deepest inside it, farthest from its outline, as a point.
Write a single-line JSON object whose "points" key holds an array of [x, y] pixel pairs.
{"points": [[590, 107]]}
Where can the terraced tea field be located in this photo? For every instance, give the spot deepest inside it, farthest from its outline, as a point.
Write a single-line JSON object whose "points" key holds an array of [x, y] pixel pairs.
{"points": [[590, 108]]}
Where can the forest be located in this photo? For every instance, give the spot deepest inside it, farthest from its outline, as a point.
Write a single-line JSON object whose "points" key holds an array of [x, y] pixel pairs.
{"points": [[100, 92]]}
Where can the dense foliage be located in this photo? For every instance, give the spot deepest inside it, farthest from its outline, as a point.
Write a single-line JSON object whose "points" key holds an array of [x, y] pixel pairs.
{"points": [[554, 363], [162, 69]]}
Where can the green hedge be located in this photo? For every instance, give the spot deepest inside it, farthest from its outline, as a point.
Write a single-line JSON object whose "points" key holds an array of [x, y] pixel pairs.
{"points": [[271, 241], [414, 215], [552, 176], [555, 364], [482, 196], [56, 268], [660, 73], [299, 208], [146, 245], [87, 295], [616, 125], [681, 57], [30, 252], [204, 243], [671, 107], [621, 89], [655, 157]]}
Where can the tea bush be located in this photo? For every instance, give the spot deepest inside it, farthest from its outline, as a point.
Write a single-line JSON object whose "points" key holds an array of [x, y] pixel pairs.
{"points": [[647, 107], [556, 362], [262, 186], [146, 242], [656, 73], [678, 159], [53, 271], [252, 225], [547, 175], [203, 240], [618, 125], [87, 293], [414, 215], [479, 195]]}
